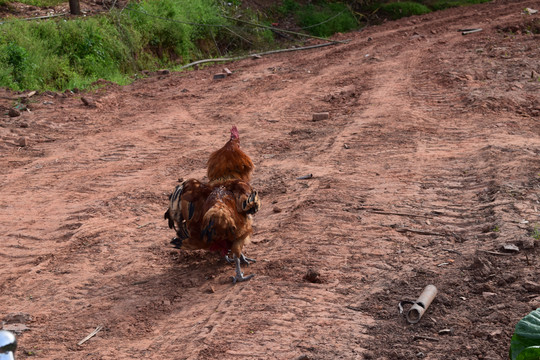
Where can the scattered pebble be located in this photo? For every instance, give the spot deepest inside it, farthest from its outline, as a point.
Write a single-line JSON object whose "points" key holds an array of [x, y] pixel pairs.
{"points": [[535, 302], [488, 295], [531, 286], [17, 317], [16, 328], [510, 248], [23, 141], [88, 101], [277, 209], [313, 276], [14, 112]]}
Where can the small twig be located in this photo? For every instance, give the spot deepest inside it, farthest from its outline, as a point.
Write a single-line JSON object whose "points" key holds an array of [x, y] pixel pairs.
{"points": [[421, 337], [141, 226], [355, 308], [494, 252], [469, 31], [397, 213], [484, 207], [418, 231], [452, 251], [92, 334]]}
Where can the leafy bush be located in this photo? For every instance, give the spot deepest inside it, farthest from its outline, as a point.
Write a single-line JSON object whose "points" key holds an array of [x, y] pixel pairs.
{"points": [[525, 343]]}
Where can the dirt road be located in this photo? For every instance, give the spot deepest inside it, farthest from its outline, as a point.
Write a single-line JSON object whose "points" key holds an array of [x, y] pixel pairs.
{"points": [[427, 166]]}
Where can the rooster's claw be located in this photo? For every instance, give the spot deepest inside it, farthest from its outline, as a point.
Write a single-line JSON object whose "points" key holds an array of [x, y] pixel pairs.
{"points": [[240, 277], [239, 274], [243, 259]]}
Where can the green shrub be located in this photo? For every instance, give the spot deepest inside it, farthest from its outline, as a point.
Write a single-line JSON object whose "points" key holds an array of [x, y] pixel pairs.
{"points": [[17, 59]]}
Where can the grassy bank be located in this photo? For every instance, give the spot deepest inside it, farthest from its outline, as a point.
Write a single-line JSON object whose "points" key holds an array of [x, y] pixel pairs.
{"points": [[59, 53]]}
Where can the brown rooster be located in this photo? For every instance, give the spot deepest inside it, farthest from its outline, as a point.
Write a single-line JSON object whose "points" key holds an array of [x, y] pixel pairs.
{"points": [[214, 217], [230, 162]]}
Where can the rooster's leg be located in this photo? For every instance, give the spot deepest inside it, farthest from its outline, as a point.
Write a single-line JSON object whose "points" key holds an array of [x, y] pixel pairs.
{"points": [[243, 259], [239, 274]]}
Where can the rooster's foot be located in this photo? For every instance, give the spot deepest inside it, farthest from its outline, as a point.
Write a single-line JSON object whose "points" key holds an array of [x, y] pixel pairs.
{"points": [[243, 259], [239, 274], [177, 242]]}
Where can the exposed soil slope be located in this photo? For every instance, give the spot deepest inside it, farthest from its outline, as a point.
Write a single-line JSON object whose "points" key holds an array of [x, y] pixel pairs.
{"points": [[428, 164]]}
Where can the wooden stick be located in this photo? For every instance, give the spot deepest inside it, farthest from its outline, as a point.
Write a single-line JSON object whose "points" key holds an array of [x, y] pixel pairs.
{"points": [[452, 251], [92, 334], [141, 226], [420, 337], [494, 252], [258, 54], [418, 231]]}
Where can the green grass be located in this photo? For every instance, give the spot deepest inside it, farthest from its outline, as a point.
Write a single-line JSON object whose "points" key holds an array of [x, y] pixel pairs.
{"points": [[321, 18], [58, 54], [398, 10], [40, 3], [445, 4], [535, 233]]}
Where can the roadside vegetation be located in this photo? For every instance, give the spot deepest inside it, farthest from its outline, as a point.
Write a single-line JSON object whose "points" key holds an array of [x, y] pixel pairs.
{"points": [[73, 52]]}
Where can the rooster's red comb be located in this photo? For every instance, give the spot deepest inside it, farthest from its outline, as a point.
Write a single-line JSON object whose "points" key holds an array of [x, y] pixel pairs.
{"points": [[234, 133]]}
